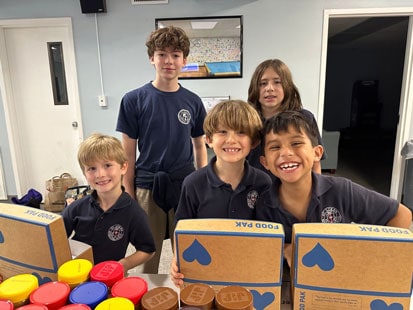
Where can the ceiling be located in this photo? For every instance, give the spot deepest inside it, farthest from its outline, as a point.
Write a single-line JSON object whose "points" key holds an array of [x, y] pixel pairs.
{"points": [[367, 31]]}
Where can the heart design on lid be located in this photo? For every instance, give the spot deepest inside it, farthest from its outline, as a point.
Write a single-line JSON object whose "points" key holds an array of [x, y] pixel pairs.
{"points": [[196, 251], [320, 257]]}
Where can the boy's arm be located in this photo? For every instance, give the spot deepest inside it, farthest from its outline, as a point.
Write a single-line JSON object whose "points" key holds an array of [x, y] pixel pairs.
{"points": [[403, 218], [129, 145], [176, 276], [135, 259], [200, 152]]}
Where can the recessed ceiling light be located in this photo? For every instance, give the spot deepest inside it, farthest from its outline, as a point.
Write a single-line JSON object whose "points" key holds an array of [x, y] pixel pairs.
{"points": [[203, 25]]}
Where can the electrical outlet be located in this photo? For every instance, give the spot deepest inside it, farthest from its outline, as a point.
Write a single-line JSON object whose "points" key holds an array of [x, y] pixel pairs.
{"points": [[102, 101]]}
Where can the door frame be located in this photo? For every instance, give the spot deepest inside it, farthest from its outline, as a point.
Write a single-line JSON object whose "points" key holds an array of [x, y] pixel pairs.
{"points": [[7, 91], [406, 98]]}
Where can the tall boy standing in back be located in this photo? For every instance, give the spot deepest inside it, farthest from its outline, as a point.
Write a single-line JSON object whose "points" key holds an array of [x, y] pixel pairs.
{"points": [[164, 120]]}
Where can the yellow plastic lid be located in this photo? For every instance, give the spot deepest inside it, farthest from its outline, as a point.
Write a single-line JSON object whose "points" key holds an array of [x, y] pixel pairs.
{"points": [[118, 303], [18, 287], [74, 271]]}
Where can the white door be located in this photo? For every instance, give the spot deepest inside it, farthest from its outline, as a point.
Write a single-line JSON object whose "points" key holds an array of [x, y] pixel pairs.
{"points": [[43, 137]]}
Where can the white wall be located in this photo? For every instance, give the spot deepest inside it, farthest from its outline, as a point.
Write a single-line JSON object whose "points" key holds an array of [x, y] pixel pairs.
{"points": [[287, 29]]}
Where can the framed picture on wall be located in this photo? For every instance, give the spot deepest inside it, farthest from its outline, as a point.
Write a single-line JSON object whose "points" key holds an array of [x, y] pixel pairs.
{"points": [[216, 45]]}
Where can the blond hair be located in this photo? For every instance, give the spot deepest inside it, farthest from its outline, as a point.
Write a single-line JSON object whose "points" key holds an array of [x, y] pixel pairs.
{"points": [[100, 147]]}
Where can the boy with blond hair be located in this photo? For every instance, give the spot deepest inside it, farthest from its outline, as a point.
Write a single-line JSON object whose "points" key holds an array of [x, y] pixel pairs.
{"points": [[108, 219]]}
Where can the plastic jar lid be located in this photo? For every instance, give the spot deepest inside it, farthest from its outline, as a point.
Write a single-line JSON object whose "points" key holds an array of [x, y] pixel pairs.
{"points": [[198, 295], [76, 307], [18, 288], [108, 272], [132, 288], [118, 303], [160, 298], [33, 307], [234, 297], [6, 305], [74, 271], [52, 294], [89, 293]]}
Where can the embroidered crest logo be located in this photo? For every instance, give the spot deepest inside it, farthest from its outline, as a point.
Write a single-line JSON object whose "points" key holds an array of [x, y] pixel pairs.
{"points": [[116, 232], [331, 215], [252, 199], [184, 116]]}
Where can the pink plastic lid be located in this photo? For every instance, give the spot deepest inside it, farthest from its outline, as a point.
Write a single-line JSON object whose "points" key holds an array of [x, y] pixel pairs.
{"points": [[33, 307], [52, 294], [108, 272], [6, 305], [76, 307], [132, 288]]}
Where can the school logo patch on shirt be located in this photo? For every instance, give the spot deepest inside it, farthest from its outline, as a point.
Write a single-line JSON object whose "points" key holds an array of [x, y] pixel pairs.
{"points": [[184, 116], [252, 198], [331, 215], [116, 232]]}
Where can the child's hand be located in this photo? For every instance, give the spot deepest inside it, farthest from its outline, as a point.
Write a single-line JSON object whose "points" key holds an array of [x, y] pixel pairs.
{"points": [[176, 277], [288, 253]]}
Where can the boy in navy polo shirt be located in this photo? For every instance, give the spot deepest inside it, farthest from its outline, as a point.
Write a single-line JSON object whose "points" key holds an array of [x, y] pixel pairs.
{"points": [[108, 219], [163, 120], [228, 187], [290, 148]]}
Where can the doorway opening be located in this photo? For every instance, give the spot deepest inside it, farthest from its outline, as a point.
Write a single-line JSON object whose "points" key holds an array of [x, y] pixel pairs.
{"points": [[364, 94]]}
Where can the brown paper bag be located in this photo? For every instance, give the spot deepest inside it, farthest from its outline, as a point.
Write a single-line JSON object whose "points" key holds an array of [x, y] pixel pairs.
{"points": [[56, 188]]}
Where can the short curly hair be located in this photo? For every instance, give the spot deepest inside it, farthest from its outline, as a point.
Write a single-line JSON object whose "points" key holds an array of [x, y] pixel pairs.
{"points": [[168, 37]]}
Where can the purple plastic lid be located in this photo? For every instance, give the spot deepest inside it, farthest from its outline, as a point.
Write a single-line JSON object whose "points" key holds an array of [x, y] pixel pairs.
{"points": [[89, 293]]}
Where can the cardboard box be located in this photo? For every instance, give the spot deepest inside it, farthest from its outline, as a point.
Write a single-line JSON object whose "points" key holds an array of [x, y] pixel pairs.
{"points": [[351, 266], [222, 252], [34, 241]]}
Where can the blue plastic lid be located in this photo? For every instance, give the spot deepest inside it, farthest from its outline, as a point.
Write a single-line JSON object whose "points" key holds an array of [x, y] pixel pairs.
{"points": [[89, 293]]}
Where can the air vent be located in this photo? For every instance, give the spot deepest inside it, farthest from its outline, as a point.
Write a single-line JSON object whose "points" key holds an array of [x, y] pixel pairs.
{"points": [[149, 1]]}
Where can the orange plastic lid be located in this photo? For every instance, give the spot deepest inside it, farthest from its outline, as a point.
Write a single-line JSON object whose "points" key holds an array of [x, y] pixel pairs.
{"points": [[234, 297], [160, 298], [6, 305], [18, 288], [132, 288], [52, 294], [198, 294], [108, 272]]}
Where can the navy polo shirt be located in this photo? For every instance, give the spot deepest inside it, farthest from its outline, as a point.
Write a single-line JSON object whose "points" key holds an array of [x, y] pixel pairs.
{"points": [[109, 233], [333, 200], [204, 195], [163, 124]]}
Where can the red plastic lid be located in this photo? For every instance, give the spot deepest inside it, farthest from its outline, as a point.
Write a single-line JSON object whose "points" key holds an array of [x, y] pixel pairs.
{"points": [[108, 272], [132, 288], [52, 294], [6, 305], [76, 307], [33, 307]]}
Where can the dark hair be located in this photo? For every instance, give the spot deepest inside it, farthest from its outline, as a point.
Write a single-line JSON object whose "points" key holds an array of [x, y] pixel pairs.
{"points": [[168, 37], [281, 122], [292, 99]]}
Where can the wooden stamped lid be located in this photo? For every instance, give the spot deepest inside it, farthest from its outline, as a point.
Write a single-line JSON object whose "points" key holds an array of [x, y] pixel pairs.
{"points": [[198, 295], [160, 298], [234, 298]]}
